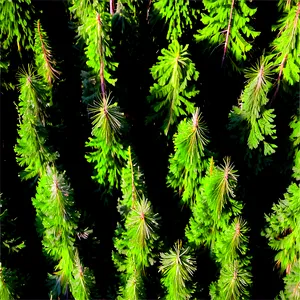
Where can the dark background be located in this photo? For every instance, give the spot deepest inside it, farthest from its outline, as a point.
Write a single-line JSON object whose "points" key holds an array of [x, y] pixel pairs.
{"points": [[219, 90]]}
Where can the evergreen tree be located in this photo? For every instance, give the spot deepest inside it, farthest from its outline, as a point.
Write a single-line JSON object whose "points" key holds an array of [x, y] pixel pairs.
{"points": [[283, 228], [286, 46], [252, 113], [188, 163], [135, 240], [178, 14], [172, 72], [227, 23], [177, 267]]}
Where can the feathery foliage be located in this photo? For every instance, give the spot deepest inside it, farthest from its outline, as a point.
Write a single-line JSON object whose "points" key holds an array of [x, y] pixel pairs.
{"points": [[214, 206], [9, 245], [227, 23], [109, 155], [283, 229], [177, 268], [188, 162], [252, 108], [15, 24], [43, 56], [286, 46], [172, 72], [57, 222], [135, 240], [178, 14], [95, 28], [31, 149]]}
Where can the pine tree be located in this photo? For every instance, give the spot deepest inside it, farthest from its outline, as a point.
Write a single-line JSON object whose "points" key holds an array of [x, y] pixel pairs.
{"points": [[252, 113], [178, 14], [177, 268], [283, 227], [227, 23], [188, 163], [172, 72], [285, 46], [134, 241]]}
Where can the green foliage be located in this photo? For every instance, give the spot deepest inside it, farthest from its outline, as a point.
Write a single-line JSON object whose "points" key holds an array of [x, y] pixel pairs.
{"points": [[14, 24], [9, 244], [43, 56], [214, 206], [132, 184], [108, 154], [134, 244], [283, 229], [233, 282], [231, 252], [188, 162], [292, 283], [295, 138], [172, 72], [126, 15], [286, 45], [135, 240], [31, 149], [228, 23], [177, 267], [95, 29], [7, 279], [252, 108], [57, 222], [178, 14]]}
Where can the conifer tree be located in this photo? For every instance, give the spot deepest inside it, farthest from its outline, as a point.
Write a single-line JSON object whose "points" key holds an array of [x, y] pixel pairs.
{"points": [[285, 46], [172, 73], [188, 163], [283, 227], [227, 23], [134, 241], [177, 14], [177, 268], [252, 113]]}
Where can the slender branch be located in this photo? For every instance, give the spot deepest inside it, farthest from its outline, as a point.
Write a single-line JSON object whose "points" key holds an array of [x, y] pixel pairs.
{"points": [[228, 31]]}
